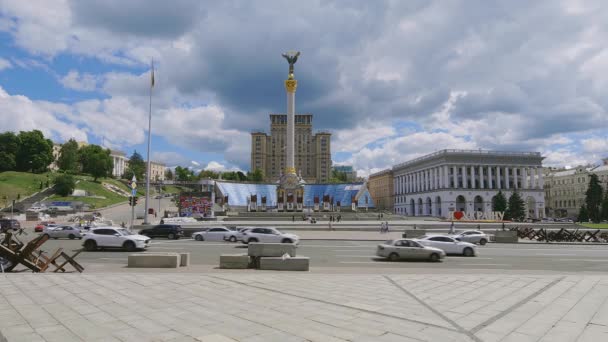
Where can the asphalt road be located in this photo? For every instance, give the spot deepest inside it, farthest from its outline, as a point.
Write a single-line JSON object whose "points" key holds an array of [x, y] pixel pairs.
{"points": [[360, 254]]}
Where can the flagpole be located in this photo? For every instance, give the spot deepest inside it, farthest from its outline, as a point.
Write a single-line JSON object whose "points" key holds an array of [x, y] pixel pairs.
{"points": [[149, 140]]}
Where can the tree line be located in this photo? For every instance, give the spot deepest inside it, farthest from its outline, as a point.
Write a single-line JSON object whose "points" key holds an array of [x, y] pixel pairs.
{"points": [[28, 151], [186, 174]]}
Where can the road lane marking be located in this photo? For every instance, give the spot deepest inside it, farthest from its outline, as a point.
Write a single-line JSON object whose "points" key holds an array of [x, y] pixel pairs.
{"points": [[362, 262], [588, 260], [357, 256], [555, 254], [485, 265], [470, 259]]}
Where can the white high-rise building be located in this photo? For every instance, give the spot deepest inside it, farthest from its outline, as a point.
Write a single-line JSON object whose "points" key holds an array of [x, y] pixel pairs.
{"points": [[467, 180]]}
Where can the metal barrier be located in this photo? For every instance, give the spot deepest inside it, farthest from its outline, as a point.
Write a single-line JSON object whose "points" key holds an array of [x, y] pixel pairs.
{"points": [[562, 235]]}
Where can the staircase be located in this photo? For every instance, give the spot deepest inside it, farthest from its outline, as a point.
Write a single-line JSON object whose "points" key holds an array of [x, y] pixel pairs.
{"points": [[27, 202]]}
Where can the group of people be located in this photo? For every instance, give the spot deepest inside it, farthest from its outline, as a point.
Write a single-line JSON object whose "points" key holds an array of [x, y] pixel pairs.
{"points": [[384, 227]]}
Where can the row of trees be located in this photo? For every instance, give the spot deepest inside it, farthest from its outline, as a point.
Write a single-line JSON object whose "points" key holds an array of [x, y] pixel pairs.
{"points": [[187, 174], [595, 208], [514, 208], [27, 151], [90, 159]]}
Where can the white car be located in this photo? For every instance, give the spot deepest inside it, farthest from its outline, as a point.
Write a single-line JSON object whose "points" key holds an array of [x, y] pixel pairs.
{"points": [[449, 245], [396, 250], [66, 232], [112, 237], [216, 234], [271, 235], [240, 231], [472, 236]]}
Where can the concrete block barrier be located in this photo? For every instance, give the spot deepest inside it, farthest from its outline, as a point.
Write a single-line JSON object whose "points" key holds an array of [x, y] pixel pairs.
{"points": [[271, 249], [506, 236], [287, 264], [184, 259], [414, 233], [234, 261], [154, 260]]}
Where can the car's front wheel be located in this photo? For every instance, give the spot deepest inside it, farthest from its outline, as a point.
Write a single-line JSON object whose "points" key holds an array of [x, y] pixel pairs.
{"points": [[198, 237], [129, 246], [232, 239], [171, 236], [434, 257], [71, 236], [483, 242], [286, 241], [467, 252], [90, 245]]}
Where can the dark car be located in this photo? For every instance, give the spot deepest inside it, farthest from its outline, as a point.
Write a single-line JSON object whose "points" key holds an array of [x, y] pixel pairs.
{"points": [[169, 231], [6, 224]]}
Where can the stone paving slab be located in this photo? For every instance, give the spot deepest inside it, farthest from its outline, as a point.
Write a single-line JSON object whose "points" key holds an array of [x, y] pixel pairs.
{"points": [[273, 306]]}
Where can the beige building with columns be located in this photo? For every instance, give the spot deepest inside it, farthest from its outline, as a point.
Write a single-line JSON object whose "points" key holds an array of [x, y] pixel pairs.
{"points": [[380, 187], [157, 171], [467, 180]]}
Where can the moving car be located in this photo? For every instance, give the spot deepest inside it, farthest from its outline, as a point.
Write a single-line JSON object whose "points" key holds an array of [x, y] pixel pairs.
{"points": [[66, 232], [112, 237], [472, 236], [6, 224], [216, 234], [169, 231], [40, 226], [271, 235], [448, 245], [408, 249]]}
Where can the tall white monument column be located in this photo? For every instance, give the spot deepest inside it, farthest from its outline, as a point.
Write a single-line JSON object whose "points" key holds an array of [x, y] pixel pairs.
{"points": [[290, 86]]}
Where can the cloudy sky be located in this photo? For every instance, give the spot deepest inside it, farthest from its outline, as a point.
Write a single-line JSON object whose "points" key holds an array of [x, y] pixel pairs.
{"points": [[392, 80]]}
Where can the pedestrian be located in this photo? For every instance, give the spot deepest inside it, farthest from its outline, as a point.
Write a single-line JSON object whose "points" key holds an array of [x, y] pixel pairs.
{"points": [[386, 226], [381, 227], [452, 228], [381, 215], [339, 218], [293, 218], [330, 225], [378, 216]]}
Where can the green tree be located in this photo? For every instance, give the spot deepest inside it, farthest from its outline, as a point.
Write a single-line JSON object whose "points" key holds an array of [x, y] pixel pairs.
{"points": [[230, 175], [96, 161], [338, 177], [64, 185], [516, 209], [137, 166], [208, 174], [499, 202], [583, 214], [255, 176], [593, 199], [240, 176], [168, 174], [183, 174], [68, 157], [9, 147], [35, 152], [605, 205]]}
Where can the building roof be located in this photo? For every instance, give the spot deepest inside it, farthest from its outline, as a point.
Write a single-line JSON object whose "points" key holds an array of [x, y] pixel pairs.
{"points": [[472, 152]]}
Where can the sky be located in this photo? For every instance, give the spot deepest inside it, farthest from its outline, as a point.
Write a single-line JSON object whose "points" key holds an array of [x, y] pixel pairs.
{"points": [[391, 80]]}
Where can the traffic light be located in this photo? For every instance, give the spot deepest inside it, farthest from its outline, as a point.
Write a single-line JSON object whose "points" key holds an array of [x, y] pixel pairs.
{"points": [[135, 201], [131, 201]]}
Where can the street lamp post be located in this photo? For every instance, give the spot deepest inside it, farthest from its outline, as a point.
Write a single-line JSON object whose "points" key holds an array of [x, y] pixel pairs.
{"points": [[160, 194]]}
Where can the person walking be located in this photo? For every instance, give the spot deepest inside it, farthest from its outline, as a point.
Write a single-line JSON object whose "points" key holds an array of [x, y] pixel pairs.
{"points": [[386, 227], [339, 218], [381, 227]]}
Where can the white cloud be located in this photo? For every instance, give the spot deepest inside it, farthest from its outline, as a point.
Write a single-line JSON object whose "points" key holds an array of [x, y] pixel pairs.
{"points": [[595, 145], [83, 82], [354, 139], [215, 166], [5, 64], [195, 163]]}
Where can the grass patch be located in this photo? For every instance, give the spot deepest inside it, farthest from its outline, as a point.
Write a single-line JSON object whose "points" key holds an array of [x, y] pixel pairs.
{"points": [[594, 225], [95, 189], [13, 184]]}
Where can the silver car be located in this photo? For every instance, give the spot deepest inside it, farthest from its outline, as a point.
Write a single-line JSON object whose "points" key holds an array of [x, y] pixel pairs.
{"points": [[408, 249], [472, 236], [65, 232]]}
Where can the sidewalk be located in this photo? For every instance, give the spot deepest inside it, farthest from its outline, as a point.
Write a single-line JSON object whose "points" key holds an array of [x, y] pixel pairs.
{"points": [[282, 307]]}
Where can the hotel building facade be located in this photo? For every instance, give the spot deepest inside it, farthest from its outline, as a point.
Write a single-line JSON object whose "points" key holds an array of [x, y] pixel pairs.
{"points": [[467, 180]]}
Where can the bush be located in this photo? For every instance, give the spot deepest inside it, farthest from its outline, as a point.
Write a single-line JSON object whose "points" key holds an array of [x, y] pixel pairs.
{"points": [[64, 185]]}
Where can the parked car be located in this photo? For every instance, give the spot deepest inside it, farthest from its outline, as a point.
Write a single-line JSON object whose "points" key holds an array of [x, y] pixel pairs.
{"points": [[216, 234], [169, 231], [6, 224], [40, 226], [36, 209], [472, 236], [271, 235], [66, 232], [448, 245], [112, 237], [408, 249]]}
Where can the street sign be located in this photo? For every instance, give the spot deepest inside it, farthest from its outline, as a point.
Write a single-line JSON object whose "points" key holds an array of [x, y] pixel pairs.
{"points": [[133, 192]]}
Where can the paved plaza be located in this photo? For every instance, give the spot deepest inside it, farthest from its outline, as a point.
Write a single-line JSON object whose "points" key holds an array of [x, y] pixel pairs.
{"points": [[274, 306]]}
